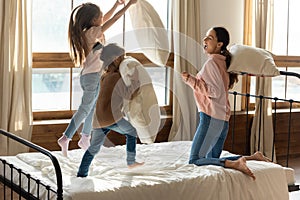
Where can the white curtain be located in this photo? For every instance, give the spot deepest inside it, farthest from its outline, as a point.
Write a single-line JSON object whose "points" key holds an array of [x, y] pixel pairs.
{"points": [[262, 128], [186, 44], [15, 73]]}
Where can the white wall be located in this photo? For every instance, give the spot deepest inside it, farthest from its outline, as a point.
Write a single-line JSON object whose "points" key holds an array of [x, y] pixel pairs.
{"points": [[226, 13]]}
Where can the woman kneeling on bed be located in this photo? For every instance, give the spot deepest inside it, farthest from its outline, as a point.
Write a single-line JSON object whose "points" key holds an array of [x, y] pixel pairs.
{"points": [[210, 88], [108, 115]]}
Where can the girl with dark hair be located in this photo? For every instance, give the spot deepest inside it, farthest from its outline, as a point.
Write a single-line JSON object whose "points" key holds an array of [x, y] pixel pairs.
{"points": [[109, 115], [86, 28], [210, 88]]}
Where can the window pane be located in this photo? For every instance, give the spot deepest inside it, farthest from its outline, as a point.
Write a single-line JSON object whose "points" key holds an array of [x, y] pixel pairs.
{"points": [[76, 88], [50, 89], [278, 85], [50, 25], [161, 7], [280, 27], [294, 28], [293, 85], [159, 80], [286, 28], [285, 42], [51, 18], [160, 83]]}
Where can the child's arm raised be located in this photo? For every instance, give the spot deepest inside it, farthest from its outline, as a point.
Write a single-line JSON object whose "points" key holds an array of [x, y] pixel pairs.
{"points": [[117, 16], [108, 15]]}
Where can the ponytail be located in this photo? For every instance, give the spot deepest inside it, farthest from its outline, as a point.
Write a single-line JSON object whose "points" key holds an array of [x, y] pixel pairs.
{"points": [[71, 38], [233, 77], [223, 36]]}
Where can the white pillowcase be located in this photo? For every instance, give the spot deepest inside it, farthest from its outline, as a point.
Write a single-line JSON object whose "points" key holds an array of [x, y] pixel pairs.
{"points": [[252, 60], [150, 32], [143, 110]]}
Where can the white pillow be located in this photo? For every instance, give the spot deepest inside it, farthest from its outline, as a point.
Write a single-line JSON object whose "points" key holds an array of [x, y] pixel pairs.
{"points": [[150, 32], [143, 110], [252, 60]]}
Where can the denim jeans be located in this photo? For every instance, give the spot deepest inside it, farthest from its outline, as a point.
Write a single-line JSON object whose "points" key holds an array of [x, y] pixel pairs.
{"points": [[208, 142], [98, 138], [90, 84]]}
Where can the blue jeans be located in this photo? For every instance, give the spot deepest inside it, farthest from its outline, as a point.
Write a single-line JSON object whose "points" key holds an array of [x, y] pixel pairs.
{"points": [[90, 84], [208, 142], [98, 138]]}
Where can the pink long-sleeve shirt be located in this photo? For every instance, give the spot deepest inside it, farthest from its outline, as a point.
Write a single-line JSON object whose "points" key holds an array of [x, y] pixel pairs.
{"points": [[211, 88]]}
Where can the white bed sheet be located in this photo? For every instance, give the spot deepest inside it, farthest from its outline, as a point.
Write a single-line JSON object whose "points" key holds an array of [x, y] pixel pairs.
{"points": [[165, 175]]}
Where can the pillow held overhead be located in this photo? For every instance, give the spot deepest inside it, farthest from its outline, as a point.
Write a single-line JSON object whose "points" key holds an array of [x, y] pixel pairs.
{"points": [[252, 60], [150, 32]]}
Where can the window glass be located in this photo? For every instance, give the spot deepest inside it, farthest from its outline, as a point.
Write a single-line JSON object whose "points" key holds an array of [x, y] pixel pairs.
{"points": [[293, 85], [282, 87], [157, 74], [160, 83], [50, 89], [294, 28], [278, 85], [50, 25], [286, 27], [51, 18], [76, 88], [280, 30], [285, 42]]}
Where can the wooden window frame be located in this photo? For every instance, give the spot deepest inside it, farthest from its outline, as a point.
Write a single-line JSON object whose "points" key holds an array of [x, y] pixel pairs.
{"points": [[62, 60]]}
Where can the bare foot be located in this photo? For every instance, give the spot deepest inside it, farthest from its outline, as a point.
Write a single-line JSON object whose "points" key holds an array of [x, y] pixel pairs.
{"points": [[240, 165], [258, 156], [136, 164]]}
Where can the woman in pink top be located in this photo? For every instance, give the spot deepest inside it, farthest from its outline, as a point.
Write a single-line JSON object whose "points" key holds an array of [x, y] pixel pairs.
{"points": [[210, 88], [86, 27]]}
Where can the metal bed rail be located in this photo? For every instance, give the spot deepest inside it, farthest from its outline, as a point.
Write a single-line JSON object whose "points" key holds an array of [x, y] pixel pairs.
{"points": [[275, 109], [261, 98], [8, 181]]}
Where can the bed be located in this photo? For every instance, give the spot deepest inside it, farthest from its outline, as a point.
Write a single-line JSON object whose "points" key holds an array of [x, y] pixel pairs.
{"points": [[165, 175]]}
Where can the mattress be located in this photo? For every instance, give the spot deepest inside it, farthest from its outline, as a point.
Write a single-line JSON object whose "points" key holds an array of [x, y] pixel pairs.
{"points": [[166, 174]]}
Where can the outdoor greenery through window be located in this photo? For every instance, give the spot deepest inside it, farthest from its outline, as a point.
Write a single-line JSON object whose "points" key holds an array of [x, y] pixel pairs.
{"points": [[55, 83]]}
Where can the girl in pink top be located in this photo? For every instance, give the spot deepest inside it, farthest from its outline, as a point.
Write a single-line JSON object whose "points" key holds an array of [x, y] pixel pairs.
{"points": [[210, 88], [86, 27]]}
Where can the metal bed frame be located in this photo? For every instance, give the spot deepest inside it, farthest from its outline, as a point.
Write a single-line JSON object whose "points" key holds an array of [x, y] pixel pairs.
{"points": [[275, 108], [17, 187]]}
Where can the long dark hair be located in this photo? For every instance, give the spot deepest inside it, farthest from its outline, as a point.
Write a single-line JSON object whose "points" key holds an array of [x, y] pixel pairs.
{"points": [[223, 36], [81, 19]]}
